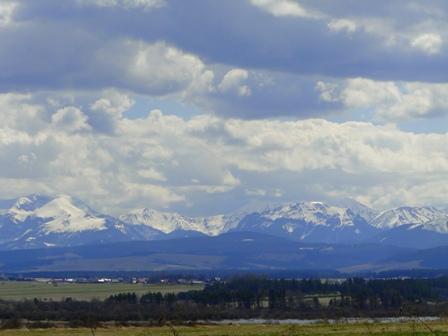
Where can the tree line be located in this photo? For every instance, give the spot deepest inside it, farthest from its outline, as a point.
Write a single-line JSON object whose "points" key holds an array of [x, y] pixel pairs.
{"points": [[247, 297]]}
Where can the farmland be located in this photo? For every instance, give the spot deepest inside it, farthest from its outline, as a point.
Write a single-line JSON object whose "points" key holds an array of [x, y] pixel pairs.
{"points": [[340, 329], [20, 290]]}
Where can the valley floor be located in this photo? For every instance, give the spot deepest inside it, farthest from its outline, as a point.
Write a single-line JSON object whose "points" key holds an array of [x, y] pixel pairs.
{"points": [[20, 290], [409, 328]]}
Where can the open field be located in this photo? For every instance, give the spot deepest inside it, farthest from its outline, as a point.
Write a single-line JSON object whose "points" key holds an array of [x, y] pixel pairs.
{"points": [[18, 290], [432, 328]]}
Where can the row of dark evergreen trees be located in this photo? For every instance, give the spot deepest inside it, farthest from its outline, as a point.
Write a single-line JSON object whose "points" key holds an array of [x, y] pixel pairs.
{"points": [[248, 297]]}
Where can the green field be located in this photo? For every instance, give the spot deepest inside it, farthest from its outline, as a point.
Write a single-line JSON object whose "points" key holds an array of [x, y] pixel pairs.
{"points": [[432, 328], [18, 290]]}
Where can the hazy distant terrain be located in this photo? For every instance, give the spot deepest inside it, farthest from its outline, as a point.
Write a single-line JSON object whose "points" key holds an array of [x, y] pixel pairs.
{"points": [[232, 251]]}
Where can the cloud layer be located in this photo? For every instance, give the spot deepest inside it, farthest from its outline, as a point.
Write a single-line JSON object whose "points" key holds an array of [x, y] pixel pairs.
{"points": [[166, 160], [250, 100]]}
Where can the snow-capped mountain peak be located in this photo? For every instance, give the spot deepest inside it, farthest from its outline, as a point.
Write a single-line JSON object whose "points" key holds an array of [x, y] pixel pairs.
{"points": [[309, 221], [356, 207], [162, 221], [65, 216], [59, 214], [17, 213], [23, 207], [169, 222], [41, 221], [317, 213], [429, 218]]}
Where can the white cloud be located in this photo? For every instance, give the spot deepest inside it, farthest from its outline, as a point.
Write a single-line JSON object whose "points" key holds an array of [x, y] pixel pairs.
{"points": [[151, 174], [282, 7], [430, 43], [113, 102], [229, 180], [127, 4], [7, 9], [18, 112], [346, 25], [233, 81], [413, 193], [389, 100], [70, 119], [154, 160], [155, 69]]}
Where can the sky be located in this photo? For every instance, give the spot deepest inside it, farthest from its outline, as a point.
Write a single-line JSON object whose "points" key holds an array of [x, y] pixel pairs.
{"points": [[213, 106]]}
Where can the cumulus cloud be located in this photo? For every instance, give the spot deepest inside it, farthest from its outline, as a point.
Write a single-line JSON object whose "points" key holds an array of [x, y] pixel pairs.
{"points": [[379, 49], [7, 9], [282, 7], [342, 25], [113, 102], [70, 119], [234, 80], [145, 52], [19, 112], [107, 110], [71, 71], [127, 4], [161, 68], [429, 43], [168, 161], [151, 174], [155, 69], [389, 100]]}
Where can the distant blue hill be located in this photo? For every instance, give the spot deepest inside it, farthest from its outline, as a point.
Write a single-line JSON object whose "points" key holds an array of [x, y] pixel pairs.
{"points": [[236, 251]]}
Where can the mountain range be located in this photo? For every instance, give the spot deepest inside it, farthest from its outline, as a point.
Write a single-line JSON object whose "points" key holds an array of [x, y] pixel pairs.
{"points": [[229, 251], [37, 221]]}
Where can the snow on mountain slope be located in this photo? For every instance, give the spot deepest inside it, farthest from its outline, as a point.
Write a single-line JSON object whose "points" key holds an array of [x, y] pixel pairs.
{"points": [[305, 220], [61, 214], [316, 213], [170, 222], [17, 212], [65, 216], [309, 221], [23, 207], [357, 208], [38, 221], [428, 218]]}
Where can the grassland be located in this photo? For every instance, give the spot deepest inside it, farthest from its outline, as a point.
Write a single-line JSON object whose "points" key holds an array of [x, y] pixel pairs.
{"points": [[18, 290], [432, 328]]}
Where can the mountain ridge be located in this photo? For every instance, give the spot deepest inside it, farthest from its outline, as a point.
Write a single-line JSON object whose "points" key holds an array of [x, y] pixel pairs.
{"points": [[229, 251], [43, 221]]}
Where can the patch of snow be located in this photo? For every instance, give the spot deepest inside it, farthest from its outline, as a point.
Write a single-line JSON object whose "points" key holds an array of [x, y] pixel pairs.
{"points": [[66, 217], [288, 227]]}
